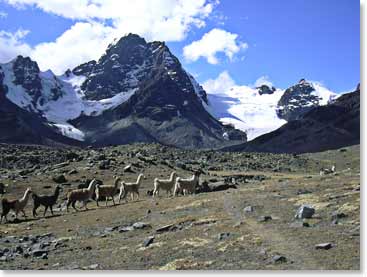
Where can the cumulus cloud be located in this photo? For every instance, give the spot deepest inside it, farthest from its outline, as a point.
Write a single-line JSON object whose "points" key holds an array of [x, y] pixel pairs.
{"points": [[214, 42], [219, 85], [224, 83], [12, 44], [84, 41], [263, 80], [98, 22]]}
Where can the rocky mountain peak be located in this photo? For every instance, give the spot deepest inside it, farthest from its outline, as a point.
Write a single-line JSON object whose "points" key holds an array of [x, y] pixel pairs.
{"points": [[26, 73], [302, 81], [265, 89], [297, 100], [128, 41], [127, 63]]}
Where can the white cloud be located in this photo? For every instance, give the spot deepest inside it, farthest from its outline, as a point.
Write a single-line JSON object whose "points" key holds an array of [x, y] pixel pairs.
{"points": [[84, 41], [219, 85], [168, 20], [212, 43], [11, 44], [263, 80], [3, 14]]}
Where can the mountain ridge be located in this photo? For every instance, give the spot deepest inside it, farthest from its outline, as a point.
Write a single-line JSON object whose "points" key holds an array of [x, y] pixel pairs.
{"points": [[130, 67], [321, 128]]}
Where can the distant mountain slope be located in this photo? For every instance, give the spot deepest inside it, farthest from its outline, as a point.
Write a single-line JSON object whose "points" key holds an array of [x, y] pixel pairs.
{"points": [[23, 127], [321, 128], [263, 109]]}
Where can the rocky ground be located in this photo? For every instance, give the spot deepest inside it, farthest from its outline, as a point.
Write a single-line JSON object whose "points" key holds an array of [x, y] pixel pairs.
{"points": [[252, 226]]}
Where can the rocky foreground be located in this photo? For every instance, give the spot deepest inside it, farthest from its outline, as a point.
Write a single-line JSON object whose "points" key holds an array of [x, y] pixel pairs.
{"points": [[245, 219]]}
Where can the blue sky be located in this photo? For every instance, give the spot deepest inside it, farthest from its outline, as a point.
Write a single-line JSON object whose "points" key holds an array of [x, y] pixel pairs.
{"points": [[285, 40]]}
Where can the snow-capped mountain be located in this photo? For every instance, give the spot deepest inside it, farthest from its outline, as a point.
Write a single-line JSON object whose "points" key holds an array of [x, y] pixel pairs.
{"points": [[57, 99], [300, 98], [137, 91], [321, 128], [260, 110]]}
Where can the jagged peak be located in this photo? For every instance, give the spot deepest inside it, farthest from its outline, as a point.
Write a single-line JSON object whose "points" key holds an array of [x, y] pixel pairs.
{"points": [[304, 82], [265, 89], [127, 40], [27, 61]]}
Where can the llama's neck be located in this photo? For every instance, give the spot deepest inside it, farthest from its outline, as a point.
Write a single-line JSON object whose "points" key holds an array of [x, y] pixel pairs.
{"points": [[57, 192], [25, 197], [139, 179], [173, 175], [91, 186], [117, 180], [195, 177]]}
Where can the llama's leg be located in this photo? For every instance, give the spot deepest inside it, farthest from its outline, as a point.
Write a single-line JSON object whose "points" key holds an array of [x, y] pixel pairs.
{"points": [[73, 205], [106, 201], [35, 210], [122, 195], [113, 200], [24, 214], [52, 212], [132, 196], [97, 199], [85, 205], [137, 192], [5, 215], [67, 205], [44, 213]]}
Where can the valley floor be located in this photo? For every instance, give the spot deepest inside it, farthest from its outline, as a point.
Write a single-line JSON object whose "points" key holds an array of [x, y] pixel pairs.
{"points": [[203, 231]]}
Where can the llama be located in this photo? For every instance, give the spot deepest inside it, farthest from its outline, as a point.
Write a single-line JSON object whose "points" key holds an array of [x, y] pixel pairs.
{"points": [[166, 184], [81, 195], [187, 185], [48, 201], [107, 191], [130, 187], [16, 205]]}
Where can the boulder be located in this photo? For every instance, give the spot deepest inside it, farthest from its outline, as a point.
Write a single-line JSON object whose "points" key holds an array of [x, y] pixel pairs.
{"points": [[305, 211], [59, 179], [148, 241]]}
